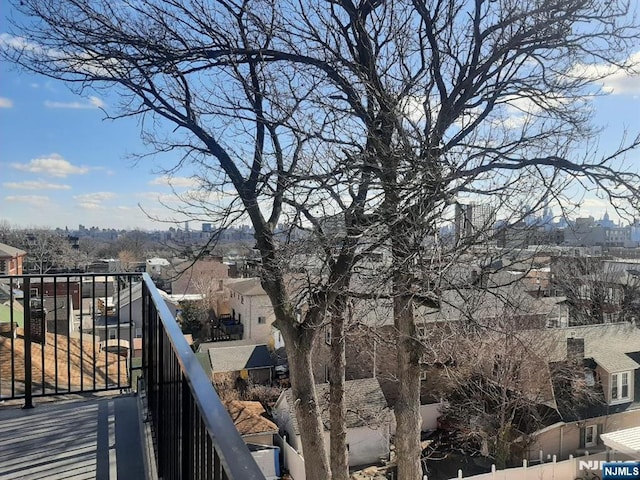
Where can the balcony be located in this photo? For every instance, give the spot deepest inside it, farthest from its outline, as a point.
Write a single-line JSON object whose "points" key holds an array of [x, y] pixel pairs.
{"points": [[77, 402]]}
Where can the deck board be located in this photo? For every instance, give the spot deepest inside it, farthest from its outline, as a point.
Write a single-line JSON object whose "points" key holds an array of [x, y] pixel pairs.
{"points": [[79, 439]]}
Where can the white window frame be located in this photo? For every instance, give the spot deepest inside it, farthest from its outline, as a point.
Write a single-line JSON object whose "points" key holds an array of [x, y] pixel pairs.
{"points": [[423, 375], [593, 431], [617, 380], [262, 320], [327, 335]]}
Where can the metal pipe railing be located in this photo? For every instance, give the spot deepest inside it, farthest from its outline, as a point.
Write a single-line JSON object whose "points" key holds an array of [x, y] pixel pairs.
{"points": [[51, 353], [195, 436]]}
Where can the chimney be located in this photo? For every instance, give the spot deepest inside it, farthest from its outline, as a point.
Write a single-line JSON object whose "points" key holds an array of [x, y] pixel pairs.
{"points": [[575, 349]]}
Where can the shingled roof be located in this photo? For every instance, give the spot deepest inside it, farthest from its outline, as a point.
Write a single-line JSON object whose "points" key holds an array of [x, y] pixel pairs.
{"points": [[9, 251], [366, 404], [232, 359], [248, 419]]}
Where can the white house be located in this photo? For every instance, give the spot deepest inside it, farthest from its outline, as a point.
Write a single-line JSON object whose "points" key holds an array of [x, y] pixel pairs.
{"points": [[155, 266], [250, 305], [128, 305], [368, 420]]}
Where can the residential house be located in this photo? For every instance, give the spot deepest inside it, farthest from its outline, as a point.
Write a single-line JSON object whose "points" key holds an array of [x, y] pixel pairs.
{"points": [[128, 306], [106, 328], [369, 421], [11, 316], [250, 305], [251, 422], [155, 266], [249, 362], [611, 357], [257, 431], [201, 276], [55, 287], [11, 260]]}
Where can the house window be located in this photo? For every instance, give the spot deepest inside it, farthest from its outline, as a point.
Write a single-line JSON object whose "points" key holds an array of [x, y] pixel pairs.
{"points": [[3, 266], [262, 320], [590, 436], [138, 332], [423, 375], [242, 300], [620, 387], [327, 335], [113, 334], [326, 373]]}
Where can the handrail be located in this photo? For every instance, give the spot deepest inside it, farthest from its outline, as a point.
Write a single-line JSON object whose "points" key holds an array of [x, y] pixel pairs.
{"points": [[232, 452], [57, 335]]}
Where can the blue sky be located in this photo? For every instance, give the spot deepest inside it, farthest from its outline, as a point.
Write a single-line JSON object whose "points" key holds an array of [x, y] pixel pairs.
{"points": [[62, 164]]}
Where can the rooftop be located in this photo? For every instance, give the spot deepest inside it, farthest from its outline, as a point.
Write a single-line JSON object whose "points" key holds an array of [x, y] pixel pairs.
{"points": [[366, 404], [231, 359], [9, 251]]}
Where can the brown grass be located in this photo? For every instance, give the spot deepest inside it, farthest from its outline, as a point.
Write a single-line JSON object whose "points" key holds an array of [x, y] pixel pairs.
{"points": [[74, 361]]}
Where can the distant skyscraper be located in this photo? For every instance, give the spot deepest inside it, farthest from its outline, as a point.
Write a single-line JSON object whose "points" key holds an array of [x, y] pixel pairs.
{"points": [[474, 222]]}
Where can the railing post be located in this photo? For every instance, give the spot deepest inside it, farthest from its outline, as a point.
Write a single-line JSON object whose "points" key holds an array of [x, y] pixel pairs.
{"points": [[186, 430], [28, 383]]}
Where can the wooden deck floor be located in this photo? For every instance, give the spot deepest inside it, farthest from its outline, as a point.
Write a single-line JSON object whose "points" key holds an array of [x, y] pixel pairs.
{"points": [[96, 438]]}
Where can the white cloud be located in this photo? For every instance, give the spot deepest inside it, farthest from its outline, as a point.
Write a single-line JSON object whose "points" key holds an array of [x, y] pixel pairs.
{"points": [[90, 103], [94, 201], [95, 197], [185, 182], [6, 102], [18, 43], [53, 165], [612, 79], [36, 185], [165, 198], [35, 200]]}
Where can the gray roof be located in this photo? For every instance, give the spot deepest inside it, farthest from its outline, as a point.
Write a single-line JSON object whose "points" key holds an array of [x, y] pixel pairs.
{"points": [[129, 294], [233, 359], [613, 361], [9, 251], [248, 287], [608, 344], [366, 404], [490, 303]]}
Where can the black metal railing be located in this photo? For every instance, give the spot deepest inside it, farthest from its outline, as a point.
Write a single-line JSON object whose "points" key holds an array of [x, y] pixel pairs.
{"points": [[57, 335], [75, 333], [195, 437]]}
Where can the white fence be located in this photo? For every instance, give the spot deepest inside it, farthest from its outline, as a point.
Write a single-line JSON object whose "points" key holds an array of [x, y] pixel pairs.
{"points": [[292, 461], [566, 469]]}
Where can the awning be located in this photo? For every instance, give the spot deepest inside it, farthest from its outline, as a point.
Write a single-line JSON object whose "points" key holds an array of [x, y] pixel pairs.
{"points": [[624, 441]]}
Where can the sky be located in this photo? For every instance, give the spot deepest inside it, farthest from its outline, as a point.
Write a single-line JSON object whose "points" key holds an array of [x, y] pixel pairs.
{"points": [[63, 164]]}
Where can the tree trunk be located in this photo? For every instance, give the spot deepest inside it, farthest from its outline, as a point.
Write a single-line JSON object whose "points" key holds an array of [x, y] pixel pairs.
{"points": [[337, 406], [306, 404], [407, 407]]}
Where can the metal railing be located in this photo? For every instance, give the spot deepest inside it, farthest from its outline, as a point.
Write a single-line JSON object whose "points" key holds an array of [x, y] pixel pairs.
{"points": [[56, 333], [68, 333], [195, 437]]}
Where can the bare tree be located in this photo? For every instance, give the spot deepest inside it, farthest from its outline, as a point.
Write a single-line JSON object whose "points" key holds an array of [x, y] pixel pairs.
{"points": [[596, 292], [47, 250], [383, 112]]}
